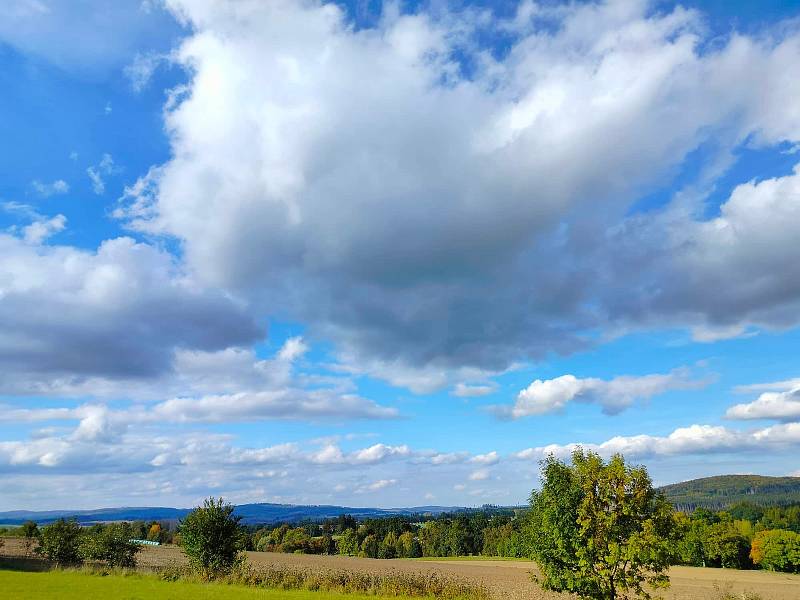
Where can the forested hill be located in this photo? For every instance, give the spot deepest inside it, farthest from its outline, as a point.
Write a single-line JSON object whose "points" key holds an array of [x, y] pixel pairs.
{"points": [[250, 513], [722, 491]]}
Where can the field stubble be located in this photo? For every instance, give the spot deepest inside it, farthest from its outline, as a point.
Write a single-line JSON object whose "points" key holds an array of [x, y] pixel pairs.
{"points": [[511, 580]]}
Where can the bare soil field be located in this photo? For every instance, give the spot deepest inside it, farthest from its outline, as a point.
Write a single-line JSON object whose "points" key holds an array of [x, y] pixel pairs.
{"points": [[508, 580]]}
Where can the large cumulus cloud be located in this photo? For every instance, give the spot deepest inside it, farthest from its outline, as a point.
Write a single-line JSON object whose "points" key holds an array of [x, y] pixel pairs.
{"points": [[426, 203]]}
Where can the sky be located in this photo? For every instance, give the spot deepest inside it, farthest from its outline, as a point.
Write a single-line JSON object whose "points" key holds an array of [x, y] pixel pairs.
{"points": [[393, 254]]}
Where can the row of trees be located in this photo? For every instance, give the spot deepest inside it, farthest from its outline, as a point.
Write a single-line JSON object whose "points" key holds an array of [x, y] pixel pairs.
{"points": [[65, 543], [720, 539], [704, 538]]}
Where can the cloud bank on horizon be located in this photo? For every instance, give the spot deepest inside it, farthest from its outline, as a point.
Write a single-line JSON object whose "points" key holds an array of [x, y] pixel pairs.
{"points": [[315, 254]]}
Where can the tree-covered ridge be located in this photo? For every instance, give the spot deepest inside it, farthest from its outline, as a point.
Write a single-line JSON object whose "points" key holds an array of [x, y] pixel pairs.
{"points": [[725, 490]]}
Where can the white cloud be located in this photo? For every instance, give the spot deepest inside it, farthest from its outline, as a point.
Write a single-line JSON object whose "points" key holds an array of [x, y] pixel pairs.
{"points": [[464, 390], [614, 395], [479, 475], [493, 223], [141, 70], [444, 458], [376, 486], [69, 313], [40, 227], [774, 386], [695, 439], [781, 406], [98, 171], [490, 458], [293, 349], [39, 231], [59, 186]]}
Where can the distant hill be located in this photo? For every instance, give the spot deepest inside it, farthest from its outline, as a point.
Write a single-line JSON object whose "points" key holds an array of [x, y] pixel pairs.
{"points": [[722, 491], [251, 513]]}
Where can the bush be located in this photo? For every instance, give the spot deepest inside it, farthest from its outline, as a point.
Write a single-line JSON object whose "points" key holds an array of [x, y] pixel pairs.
{"points": [[111, 544], [30, 531], [60, 542], [777, 550], [211, 538]]}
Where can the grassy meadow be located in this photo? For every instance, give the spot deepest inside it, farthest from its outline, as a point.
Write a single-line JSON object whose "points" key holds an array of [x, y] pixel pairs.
{"points": [[75, 585]]}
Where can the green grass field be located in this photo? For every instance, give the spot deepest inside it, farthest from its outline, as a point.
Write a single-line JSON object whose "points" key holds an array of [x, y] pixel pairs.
{"points": [[67, 585]]}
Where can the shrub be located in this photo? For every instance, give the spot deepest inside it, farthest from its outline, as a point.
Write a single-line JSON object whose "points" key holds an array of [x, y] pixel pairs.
{"points": [[211, 538], [370, 546], [777, 550], [111, 544], [348, 542], [60, 542], [30, 531]]}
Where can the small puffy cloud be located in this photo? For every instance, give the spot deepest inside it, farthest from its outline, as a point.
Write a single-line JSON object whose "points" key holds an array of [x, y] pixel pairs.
{"points": [[40, 227], [614, 395], [45, 190], [292, 349], [376, 486], [779, 406], [39, 231], [479, 475], [444, 458], [490, 458]]}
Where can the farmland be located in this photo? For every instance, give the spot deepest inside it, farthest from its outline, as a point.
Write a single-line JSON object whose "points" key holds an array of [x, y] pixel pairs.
{"points": [[511, 579], [505, 579]]}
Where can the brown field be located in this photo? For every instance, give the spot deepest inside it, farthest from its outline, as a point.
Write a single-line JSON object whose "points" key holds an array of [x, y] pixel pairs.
{"points": [[506, 579]]}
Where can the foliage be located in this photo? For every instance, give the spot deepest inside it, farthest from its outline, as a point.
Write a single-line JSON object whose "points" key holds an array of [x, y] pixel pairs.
{"points": [[725, 546], [348, 542], [211, 538], [111, 544], [408, 546], [60, 542], [777, 550], [370, 546], [599, 529], [30, 531]]}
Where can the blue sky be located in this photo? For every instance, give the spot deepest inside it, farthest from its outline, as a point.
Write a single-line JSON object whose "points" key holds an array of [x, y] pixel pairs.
{"points": [[393, 254]]}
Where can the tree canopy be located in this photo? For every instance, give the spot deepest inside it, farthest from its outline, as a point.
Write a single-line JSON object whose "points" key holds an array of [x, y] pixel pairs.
{"points": [[211, 538], [601, 531]]}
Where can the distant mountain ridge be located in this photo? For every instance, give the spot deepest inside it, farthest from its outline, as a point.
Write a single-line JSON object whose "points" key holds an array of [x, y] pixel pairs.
{"points": [[708, 492], [251, 513], [724, 490]]}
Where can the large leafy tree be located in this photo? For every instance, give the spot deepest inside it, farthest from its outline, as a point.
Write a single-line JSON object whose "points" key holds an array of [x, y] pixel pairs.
{"points": [[60, 542], [599, 530], [212, 538]]}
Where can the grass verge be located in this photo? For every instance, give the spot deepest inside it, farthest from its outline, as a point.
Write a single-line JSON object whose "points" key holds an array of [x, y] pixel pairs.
{"points": [[76, 585]]}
